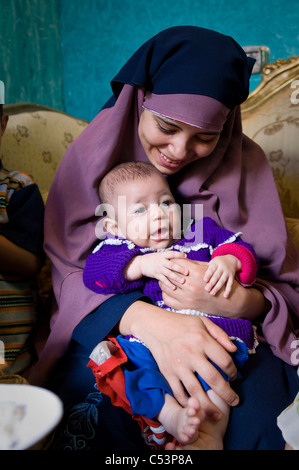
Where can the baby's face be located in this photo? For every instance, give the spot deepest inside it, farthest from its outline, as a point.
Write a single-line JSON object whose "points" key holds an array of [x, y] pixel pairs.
{"points": [[147, 213]]}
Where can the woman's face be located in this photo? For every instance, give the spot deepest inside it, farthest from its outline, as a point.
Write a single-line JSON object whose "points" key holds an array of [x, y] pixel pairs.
{"points": [[170, 145]]}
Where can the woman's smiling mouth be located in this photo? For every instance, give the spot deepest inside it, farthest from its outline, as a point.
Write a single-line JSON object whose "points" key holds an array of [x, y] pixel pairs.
{"points": [[167, 161]]}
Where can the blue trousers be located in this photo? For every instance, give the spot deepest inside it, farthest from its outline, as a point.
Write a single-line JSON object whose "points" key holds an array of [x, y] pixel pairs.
{"points": [[90, 422]]}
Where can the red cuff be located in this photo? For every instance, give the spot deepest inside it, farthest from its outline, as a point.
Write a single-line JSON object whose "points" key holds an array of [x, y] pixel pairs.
{"points": [[248, 272]]}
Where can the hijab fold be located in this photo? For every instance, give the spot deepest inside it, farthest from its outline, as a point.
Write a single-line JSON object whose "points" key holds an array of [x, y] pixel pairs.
{"points": [[235, 183]]}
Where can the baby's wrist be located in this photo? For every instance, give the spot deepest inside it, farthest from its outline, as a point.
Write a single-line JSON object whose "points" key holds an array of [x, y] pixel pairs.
{"points": [[140, 265], [133, 270], [237, 262]]}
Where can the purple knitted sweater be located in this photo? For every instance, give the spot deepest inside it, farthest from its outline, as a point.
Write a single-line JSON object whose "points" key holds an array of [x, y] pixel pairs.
{"points": [[104, 268]]}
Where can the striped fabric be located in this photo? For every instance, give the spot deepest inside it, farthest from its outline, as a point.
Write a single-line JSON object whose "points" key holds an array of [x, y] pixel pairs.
{"points": [[18, 303], [10, 181], [18, 296]]}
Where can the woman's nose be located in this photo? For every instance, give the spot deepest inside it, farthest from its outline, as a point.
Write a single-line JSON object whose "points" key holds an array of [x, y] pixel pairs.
{"points": [[179, 147]]}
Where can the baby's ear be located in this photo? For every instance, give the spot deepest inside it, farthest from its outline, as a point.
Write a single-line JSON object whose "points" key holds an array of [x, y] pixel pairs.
{"points": [[111, 226]]}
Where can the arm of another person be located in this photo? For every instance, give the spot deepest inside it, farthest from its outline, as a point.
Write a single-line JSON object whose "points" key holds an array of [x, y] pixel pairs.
{"points": [[17, 260], [21, 238]]}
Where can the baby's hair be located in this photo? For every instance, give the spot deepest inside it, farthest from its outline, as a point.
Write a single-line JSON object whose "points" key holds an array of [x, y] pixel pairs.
{"points": [[122, 173], [1, 110]]}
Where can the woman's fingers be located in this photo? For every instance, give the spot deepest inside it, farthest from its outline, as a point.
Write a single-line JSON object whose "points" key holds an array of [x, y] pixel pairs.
{"points": [[193, 387], [219, 335], [195, 390], [217, 383]]}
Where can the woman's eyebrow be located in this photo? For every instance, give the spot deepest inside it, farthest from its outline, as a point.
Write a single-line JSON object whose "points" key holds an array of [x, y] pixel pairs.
{"points": [[171, 123]]}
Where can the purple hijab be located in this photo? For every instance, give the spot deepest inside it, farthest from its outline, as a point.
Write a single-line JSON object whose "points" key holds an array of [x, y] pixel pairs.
{"points": [[201, 77]]}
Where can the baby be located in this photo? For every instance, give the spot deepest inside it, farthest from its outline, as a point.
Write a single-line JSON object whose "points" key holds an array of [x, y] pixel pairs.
{"points": [[145, 223]]}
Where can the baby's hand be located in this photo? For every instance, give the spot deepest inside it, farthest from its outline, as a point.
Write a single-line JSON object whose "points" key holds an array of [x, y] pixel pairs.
{"points": [[221, 270], [162, 267]]}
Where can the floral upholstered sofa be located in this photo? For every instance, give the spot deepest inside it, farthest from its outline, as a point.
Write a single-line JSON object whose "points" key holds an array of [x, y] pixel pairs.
{"points": [[270, 117], [36, 139]]}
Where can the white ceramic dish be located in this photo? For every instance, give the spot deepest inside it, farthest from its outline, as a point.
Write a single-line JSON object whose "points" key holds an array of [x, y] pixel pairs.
{"points": [[42, 412]]}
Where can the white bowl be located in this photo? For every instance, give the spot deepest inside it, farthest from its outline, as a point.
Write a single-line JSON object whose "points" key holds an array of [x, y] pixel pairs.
{"points": [[42, 412]]}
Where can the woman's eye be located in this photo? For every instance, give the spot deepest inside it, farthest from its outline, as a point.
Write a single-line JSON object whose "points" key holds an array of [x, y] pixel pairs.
{"points": [[164, 130], [206, 140]]}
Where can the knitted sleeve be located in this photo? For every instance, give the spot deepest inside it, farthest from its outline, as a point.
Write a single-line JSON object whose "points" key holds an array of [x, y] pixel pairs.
{"points": [[226, 242], [103, 272], [247, 274]]}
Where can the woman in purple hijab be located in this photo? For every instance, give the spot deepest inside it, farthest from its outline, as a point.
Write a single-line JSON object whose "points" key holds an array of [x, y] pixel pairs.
{"points": [[176, 102]]}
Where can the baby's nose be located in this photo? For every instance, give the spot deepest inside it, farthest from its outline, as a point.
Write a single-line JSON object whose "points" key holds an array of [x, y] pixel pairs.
{"points": [[157, 212]]}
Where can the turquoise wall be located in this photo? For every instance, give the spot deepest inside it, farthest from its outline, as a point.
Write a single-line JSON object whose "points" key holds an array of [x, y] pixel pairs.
{"points": [[30, 51], [99, 35], [63, 53]]}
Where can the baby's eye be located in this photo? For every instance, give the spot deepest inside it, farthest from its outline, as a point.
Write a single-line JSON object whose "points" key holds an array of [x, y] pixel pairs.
{"points": [[139, 210], [167, 203]]}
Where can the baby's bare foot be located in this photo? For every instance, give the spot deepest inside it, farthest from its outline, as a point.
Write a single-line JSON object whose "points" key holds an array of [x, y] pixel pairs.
{"points": [[190, 420], [182, 423]]}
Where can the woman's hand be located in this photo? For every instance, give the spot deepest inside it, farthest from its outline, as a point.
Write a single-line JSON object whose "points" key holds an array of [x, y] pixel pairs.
{"points": [[188, 350], [248, 303], [182, 345]]}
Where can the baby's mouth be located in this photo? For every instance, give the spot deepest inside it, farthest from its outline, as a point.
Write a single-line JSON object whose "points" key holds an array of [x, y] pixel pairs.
{"points": [[160, 234]]}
